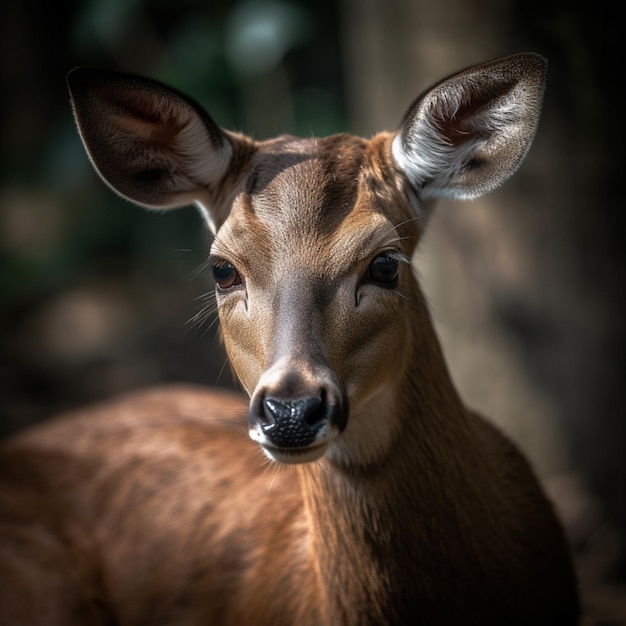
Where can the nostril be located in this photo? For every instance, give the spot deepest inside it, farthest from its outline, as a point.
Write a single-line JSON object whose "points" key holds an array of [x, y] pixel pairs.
{"points": [[314, 410], [271, 412]]}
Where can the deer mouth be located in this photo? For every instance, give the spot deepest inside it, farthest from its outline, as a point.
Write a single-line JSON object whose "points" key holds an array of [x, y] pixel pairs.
{"points": [[293, 450], [295, 456]]}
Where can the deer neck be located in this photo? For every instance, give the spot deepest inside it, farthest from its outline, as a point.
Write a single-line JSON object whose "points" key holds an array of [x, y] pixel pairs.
{"points": [[376, 547]]}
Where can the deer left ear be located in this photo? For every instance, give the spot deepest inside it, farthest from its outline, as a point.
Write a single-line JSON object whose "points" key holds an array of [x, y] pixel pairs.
{"points": [[470, 132], [150, 143]]}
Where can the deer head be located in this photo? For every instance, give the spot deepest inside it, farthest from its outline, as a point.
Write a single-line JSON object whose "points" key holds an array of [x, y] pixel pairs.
{"points": [[320, 313]]}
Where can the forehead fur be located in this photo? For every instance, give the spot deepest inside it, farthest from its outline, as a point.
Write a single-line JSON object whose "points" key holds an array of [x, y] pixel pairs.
{"points": [[312, 194], [300, 184]]}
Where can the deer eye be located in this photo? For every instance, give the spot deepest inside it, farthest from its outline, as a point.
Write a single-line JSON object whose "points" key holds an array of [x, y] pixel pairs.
{"points": [[225, 275], [383, 270]]}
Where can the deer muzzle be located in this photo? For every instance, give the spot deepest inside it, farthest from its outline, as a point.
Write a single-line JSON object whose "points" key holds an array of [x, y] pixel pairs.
{"points": [[295, 416]]}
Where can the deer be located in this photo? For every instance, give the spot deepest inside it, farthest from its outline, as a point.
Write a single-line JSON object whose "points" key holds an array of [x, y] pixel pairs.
{"points": [[369, 494]]}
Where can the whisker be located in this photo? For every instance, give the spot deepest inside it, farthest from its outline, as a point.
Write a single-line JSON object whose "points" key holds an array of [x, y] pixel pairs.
{"points": [[209, 327], [221, 372], [207, 310], [403, 223], [209, 295]]}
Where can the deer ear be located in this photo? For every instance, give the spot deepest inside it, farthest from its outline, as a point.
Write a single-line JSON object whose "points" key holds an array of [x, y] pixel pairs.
{"points": [[148, 142], [470, 132]]}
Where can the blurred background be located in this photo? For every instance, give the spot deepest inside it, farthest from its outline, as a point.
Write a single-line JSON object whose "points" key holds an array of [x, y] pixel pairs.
{"points": [[526, 286]]}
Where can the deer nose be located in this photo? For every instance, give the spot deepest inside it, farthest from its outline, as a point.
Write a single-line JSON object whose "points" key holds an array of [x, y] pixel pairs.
{"points": [[295, 424], [296, 411], [292, 423]]}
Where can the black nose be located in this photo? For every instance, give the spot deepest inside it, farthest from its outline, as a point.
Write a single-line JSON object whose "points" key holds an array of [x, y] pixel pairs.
{"points": [[293, 423]]}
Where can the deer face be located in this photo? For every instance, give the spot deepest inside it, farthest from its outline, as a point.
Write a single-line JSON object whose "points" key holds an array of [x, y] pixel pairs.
{"points": [[310, 267]]}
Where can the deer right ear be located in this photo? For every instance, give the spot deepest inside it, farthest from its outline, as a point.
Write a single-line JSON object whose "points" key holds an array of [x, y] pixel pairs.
{"points": [[470, 132], [148, 142]]}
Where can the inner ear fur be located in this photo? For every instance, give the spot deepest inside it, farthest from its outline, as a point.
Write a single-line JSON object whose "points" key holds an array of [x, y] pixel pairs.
{"points": [[470, 132], [150, 143]]}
